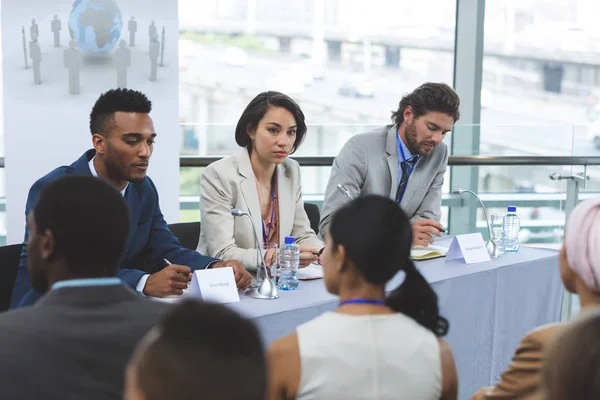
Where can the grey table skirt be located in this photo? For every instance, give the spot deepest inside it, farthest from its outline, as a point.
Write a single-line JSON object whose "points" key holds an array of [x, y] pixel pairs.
{"points": [[490, 306]]}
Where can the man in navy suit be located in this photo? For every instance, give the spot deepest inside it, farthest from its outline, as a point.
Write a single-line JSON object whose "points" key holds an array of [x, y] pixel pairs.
{"points": [[123, 138]]}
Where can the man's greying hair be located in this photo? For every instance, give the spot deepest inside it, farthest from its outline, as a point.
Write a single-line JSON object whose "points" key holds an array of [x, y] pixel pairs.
{"points": [[201, 350], [102, 116], [427, 98]]}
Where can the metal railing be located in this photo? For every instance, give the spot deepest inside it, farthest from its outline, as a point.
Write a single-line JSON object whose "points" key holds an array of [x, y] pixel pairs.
{"points": [[568, 199], [474, 161]]}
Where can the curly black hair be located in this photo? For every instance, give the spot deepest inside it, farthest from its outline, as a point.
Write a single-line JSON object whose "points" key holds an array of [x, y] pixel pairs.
{"points": [[102, 116]]}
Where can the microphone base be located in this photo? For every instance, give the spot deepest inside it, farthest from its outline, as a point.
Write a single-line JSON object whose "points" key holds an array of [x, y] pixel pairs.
{"points": [[492, 249], [256, 295]]}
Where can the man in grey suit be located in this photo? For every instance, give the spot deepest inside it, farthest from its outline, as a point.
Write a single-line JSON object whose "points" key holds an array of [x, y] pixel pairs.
{"points": [[75, 342], [405, 161]]}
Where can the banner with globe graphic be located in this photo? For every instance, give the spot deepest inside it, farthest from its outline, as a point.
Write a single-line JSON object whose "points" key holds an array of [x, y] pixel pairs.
{"points": [[95, 25], [57, 58]]}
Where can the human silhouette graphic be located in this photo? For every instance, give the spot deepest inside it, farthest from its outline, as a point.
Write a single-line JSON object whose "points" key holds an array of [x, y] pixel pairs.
{"points": [[24, 39], [151, 32], [36, 58], [132, 31], [73, 65], [154, 54], [34, 29], [162, 48], [56, 27], [122, 63]]}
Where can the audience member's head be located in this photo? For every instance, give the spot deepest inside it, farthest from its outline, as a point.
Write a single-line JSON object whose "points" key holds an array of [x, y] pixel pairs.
{"points": [[580, 254], [123, 134], [199, 350], [368, 242], [78, 229], [570, 369], [271, 118]]}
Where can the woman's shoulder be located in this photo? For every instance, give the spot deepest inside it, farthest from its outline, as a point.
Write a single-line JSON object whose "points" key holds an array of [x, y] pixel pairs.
{"points": [[222, 167], [291, 164], [225, 161], [283, 346], [540, 336]]}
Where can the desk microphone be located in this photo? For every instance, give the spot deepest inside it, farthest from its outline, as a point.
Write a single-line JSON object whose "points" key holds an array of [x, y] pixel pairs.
{"points": [[266, 289], [342, 189], [491, 246]]}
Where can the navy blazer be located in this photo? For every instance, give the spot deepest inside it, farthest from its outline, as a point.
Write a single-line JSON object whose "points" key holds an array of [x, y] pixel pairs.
{"points": [[150, 240]]}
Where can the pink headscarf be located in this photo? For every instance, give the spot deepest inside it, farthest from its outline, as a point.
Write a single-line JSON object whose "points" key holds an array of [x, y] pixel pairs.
{"points": [[582, 242]]}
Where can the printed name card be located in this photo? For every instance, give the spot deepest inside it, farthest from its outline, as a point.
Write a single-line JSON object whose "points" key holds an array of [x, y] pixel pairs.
{"points": [[471, 247], [216, 285]]}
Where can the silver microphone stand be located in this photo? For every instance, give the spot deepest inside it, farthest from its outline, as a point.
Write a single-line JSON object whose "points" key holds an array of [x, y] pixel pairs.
{"points": [[267, 289], [490, 246]]}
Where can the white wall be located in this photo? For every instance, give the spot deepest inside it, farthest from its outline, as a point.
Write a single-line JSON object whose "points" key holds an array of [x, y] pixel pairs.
{"points": [[45, 126]]}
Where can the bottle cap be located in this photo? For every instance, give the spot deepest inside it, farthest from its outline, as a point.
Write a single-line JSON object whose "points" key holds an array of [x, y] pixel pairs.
{"points": [[290, 239], [512, 209]]}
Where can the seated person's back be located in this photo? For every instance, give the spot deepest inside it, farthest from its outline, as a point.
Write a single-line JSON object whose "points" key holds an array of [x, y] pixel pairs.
{"points": [[199, 351], [378, 354], [75, 342], [570, 364], [579, 265], [371, 346]]}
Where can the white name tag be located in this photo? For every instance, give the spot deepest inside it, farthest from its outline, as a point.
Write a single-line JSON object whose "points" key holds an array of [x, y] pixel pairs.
{"points": [[470, 247], [216, 285]]}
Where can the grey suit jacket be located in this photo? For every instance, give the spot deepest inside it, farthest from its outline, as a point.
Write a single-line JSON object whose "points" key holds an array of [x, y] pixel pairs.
{"points": [[368, 164], [73, 344], [229, 183]]}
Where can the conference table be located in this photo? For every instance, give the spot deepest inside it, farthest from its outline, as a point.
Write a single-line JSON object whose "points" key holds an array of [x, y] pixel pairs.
{"points": [[489, 306]]}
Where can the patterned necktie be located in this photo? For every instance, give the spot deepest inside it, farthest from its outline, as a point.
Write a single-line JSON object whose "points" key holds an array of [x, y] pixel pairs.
{"points": [[406, 166]]}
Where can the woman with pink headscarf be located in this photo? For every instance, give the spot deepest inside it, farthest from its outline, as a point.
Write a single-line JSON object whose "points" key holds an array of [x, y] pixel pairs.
{"points": [[579, 261]]}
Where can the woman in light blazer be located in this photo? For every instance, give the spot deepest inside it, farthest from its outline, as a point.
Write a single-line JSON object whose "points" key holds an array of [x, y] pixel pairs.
{"points": [[260, 180]]}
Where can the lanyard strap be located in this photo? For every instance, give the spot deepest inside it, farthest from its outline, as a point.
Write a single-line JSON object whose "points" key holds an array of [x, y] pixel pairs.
{"points": [[267, 233], [362, 301]]}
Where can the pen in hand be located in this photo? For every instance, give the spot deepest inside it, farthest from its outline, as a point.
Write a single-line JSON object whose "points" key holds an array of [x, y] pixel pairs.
{"points": [[169, 263]]}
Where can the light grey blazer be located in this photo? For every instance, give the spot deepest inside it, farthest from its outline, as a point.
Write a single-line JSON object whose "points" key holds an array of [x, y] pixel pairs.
{"points": [[368, 164], [229, 183]]}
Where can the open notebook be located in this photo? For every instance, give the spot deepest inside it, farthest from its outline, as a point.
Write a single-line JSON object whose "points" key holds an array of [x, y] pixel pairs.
{"points": [[420, 253]]}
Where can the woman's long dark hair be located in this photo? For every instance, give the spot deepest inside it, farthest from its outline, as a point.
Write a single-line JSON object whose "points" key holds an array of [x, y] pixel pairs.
{"points": [[377, 237]]}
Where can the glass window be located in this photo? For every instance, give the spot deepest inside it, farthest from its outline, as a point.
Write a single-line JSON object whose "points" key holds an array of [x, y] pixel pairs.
{"points": [[347, 63], [540, 85]]}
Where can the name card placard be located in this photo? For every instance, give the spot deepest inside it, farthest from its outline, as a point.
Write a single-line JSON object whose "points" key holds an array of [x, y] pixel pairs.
{"points": [[216, 285], [470, 247]]}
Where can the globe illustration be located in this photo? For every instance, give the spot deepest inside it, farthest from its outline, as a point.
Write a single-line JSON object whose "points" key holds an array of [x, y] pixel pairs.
{"points": [[95, 25]]}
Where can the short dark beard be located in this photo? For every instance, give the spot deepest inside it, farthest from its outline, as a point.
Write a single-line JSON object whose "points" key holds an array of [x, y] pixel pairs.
{"points": [[410, 132]]}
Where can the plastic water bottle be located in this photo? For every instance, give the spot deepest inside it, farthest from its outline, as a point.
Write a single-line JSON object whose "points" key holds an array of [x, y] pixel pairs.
{"points": [[289, 259], [510, 229]]}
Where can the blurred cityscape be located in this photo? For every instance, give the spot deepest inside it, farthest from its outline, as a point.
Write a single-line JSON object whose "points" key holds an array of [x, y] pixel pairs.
{"points": [[348, 62]]}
